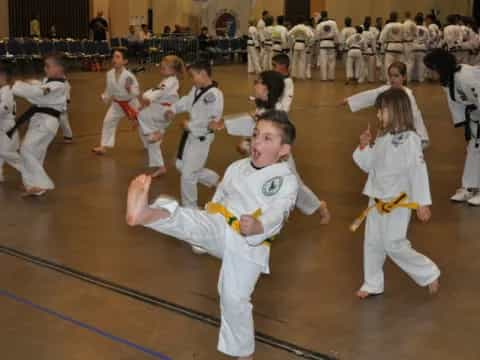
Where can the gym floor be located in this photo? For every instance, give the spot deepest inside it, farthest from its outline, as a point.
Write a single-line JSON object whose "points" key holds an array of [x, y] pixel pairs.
{"points": [[77, 283]]}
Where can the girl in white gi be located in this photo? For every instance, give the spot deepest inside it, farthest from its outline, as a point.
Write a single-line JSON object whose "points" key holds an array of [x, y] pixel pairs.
{"points": [[355, 66], [49, 101], [253, 49], [301, 36], [397, 77], [8, 146], [249, 208], [122, 94], [204, 104], [397, 183], [154, 104], [462, 87], [64, 117]]}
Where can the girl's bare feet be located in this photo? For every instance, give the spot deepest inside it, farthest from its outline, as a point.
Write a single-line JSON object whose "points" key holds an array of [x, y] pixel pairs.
{"points": [[34, 191], [325, 216], [159, 172], [364, 294], [99, 150], [155, 137], [137, 198], [434, 287]]}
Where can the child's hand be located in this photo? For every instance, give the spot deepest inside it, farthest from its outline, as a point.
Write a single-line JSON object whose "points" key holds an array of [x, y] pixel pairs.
{"points": [[169, 115], [216, 125], [145, 102], [424, 213], [185, 124], [366, 138], [250, 226]]}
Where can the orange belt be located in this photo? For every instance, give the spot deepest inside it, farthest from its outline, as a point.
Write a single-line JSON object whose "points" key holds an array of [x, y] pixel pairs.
{"points": [[131, 113]]}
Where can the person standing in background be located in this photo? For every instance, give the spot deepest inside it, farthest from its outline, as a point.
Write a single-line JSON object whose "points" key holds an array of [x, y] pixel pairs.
{"points": [[99, 27], [35, 27]]}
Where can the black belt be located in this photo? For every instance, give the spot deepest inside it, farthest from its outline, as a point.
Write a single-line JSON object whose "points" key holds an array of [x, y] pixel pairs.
{"points": [[301, 41], [466, 124], [183, 142], [27, 115]]}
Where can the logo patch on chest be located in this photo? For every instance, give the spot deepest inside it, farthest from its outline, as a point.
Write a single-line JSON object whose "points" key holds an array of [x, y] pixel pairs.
{"points": [[209, 98], [399, 139], [272, 186]]}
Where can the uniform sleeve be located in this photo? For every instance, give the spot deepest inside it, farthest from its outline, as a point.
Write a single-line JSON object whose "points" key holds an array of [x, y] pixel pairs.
{"points": [[7, 104], [418, 119], [36, 94], [166, 87], [277, 213], [418, 177], [108, 93], [363, 158], [365, 99], [185, 103], [135, 89], [456, 109], [287, 97]]}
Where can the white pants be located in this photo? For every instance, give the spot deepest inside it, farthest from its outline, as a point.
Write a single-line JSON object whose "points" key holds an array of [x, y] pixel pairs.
{"points": [[307, 202], [386, 235], [471, 172], [327, 61], [65, 125], [381, 66], [237, 279], [41, 132], [370, 67], [110, 123], [152, 119], [390, 58], [267, 58], [9, 152], [419, 69], [354, 66], [253, 60], [409, 60], [299, 64], [193, 171]]}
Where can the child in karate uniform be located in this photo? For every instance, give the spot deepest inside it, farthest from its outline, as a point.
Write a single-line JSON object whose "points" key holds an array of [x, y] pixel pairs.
{"points": [[49, 101], [8, 146], [355, 67], [204, 104], [253, 49], [462, 87], [154, 104], [122, 94], [397, 77], [397, 183], [249, 208]]}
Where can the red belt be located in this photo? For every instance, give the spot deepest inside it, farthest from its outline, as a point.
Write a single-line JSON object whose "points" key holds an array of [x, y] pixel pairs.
{"points": [[130, 112]]}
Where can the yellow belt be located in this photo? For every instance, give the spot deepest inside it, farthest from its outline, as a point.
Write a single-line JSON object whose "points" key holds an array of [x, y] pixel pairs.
{"points": [[384, 208], [231, 219]]}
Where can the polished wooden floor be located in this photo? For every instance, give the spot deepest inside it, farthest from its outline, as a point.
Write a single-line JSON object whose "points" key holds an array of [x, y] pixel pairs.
{"points": [[309, 298]]}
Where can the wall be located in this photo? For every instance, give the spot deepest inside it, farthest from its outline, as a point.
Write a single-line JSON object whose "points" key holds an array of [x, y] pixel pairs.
{"points": [[3, 18]]}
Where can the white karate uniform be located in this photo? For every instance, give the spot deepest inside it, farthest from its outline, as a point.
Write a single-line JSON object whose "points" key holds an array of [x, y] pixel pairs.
{"points": [[152, 118], [64, 118], [279, 39], [392, 39], [8, 146], [302, 36], [420, 48], [42, 129], [355, 67], [261, 39], [380, 53], [242, 191], [328, 38], [395, 165], [344, 35], [467, 92], [115, 90], [267, 48], [453, 38], [367, 98], [208, 108], [409, 36], [369, 55], [253, 46], [469, 45]]}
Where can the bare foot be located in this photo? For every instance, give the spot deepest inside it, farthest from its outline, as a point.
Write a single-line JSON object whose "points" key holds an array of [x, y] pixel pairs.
{"points": [[155, 137], [245, 358], [137, 198], [365, 295], [434, 287], [34, 191], [67, 140], [325, 216], [159, 172], [99, 150]]}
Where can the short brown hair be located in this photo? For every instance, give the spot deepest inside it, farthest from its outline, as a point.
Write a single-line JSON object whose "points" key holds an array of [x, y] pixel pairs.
{"points": [[400, 66], [281, 121], [399, 107]]}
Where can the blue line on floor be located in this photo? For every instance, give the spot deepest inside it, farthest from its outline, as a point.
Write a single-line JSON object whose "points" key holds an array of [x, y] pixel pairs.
{"points": [[153, 353]]}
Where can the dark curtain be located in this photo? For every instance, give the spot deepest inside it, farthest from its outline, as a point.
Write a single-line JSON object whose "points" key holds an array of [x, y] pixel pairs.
{"points": [[296, 8], [70, 17], [476, 10]]}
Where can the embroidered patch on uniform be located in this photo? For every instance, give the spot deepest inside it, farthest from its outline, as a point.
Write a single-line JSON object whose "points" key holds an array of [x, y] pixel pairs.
{"points": [[209, 98], [327, 28], [272, 186], [462, 94], [399, 139]]}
